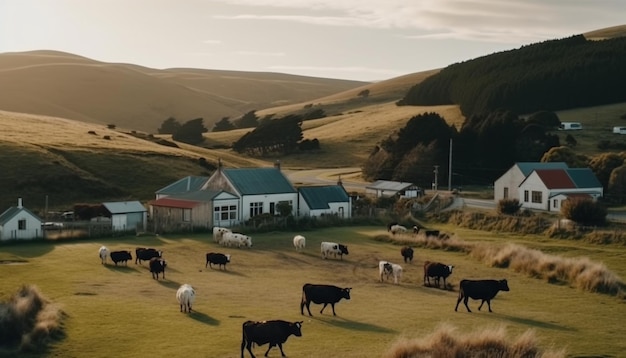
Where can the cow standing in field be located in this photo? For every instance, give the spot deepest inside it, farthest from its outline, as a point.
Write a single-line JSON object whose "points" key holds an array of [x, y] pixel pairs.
{"points": [[274, 332], [322, 294], [438, 271], [157, 265], [236, 239], [299, 242], [407, 254], [218, 233], [219, 259], [484, 290], [432, 233], [103, 253], [185, 296], [121, 256], [398, 229], [387, 269], [146, 254], [333, 248]]}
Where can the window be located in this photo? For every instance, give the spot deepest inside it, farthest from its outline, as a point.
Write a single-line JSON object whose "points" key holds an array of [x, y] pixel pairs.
{"points": [[555, 204], [225, 213], [21, 224], [186, 215], [525, 196], [256, 209], [506, 193], [536, 197], [272, 208]]}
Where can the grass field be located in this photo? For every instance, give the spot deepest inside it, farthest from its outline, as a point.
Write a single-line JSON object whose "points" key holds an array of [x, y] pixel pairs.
{"points": [[123, 310]]}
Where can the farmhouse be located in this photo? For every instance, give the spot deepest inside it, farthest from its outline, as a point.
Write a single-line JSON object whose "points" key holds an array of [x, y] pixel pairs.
{"points": [[17, 222], [387, 188], [324, 200], [127, 215], [506, 187], [546, 189]]}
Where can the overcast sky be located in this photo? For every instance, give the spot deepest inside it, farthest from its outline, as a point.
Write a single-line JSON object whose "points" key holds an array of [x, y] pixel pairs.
{"points": [[363, 40]]}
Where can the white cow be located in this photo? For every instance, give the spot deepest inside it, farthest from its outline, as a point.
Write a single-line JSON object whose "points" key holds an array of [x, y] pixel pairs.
{"points": [[333, 248], [103, 252], [218, 233], [299, 242], [398, 229], [185, 296], [236, 239], [387, 269]]}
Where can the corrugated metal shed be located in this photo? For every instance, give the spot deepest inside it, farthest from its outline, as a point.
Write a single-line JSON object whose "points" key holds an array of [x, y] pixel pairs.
{"points": [[527, 167], [389, 185], [250, 181], [318, 197], [184, 185], [122, 207], [584, 178]]}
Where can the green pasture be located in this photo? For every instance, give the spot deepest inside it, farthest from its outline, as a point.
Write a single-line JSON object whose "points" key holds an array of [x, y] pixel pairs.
{"points": [[121, 311]]}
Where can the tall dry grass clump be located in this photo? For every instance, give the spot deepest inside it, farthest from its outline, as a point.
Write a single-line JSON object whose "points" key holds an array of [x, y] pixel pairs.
{"points": [[579, 272], [28, 322], [446, 341]]}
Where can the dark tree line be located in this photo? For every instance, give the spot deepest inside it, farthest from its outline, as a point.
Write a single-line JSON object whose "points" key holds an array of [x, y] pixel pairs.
{"points": [[277, 136], [552, 75], [189, 132]]}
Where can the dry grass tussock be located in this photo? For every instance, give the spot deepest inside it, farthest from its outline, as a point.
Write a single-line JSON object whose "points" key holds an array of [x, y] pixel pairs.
{"points": [[446, 341], [28, 322], [579, 272]]}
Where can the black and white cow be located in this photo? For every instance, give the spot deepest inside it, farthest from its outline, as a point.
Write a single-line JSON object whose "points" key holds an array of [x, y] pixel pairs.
{"points": [[484, 290], [333, 248], [407, 253], [322, 294], [103, 252], [438, 271], [146, 254], [157, 265], [216, 258], [120, 256], [274, 332]]}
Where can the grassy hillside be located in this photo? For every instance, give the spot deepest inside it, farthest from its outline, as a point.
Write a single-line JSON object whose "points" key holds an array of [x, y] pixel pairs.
{"points": [[110, 306], [69, 86]]}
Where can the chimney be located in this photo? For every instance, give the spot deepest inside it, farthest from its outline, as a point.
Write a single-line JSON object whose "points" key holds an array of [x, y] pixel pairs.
{"points": [[277, 164], [339, 182], [19, 203]]}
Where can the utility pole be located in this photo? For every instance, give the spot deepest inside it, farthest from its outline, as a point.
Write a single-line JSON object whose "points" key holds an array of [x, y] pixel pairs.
{"points": [[435, 184], [450, 168]]}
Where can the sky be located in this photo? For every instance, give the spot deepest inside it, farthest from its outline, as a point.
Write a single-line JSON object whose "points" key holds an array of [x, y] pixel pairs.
{"points": [[364, 40]]}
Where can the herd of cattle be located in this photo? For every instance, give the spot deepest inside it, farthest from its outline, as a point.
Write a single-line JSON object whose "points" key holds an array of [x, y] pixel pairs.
{"points": [[276, 332]]}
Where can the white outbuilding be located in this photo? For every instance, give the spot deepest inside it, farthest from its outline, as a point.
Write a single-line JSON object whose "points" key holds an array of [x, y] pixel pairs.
{"points": [[18, 223]]}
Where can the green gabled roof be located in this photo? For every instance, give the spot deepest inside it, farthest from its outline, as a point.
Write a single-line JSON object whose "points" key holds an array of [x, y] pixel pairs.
{"points": [[123, 207], [251, 181], [184, 185], [9, 213], [318, 197], [584, 178], [527, 167]]}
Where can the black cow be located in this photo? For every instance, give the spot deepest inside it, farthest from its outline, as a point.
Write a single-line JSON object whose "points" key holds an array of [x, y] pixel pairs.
{"points": [[326, 294], [146, 254], [213, 258], [273, 332], [484, 290], [436, 270], [121, 256], [157, 265], [434, 233], [416, 229], [407, 253]]}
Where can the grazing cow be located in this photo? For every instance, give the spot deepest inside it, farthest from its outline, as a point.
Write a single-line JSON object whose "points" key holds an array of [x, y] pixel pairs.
{"points": [[103, 253], [388, 269], [299, 242], [436, 270], [484, 290], [416, 229], [407, 253], [398, 229], [333, 248], [273, 332], [157, 265], [390, 225], [121, 256], [146, 254], [218, 232], [219, 259], [235, 239], [322, 294], [185, 296], [430, 233]]}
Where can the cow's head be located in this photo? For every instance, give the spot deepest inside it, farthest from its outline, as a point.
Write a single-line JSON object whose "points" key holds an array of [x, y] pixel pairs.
{"points": [[387, 268], [503, 285], [345, 293], [227, 257], [343, 249], [160, 252], [450, 267], [296, 328]]}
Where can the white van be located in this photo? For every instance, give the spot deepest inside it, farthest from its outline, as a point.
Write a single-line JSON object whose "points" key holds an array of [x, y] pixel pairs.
{"points": [[619, 130], [570, 126]]}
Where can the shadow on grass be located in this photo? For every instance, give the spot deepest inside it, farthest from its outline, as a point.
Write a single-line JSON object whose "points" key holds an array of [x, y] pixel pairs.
{"points": [[535, 323], [204, 318], [225, 272], [22, 249], [353, 325], [120, 268], [169, 284]]}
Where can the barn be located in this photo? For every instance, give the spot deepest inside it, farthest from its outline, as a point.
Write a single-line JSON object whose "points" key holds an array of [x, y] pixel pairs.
{"points": [[324, 200], [18, 223]]}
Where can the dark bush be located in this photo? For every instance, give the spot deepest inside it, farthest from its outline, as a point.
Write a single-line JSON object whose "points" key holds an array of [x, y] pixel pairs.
{"points": [[584, 211], [508, 206]]}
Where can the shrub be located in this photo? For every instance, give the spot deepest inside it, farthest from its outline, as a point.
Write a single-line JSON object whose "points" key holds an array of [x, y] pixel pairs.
{"points": [[584, 211], [508, 206]]}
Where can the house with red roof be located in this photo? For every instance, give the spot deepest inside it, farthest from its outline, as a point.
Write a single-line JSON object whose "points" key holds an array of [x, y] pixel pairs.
{"points": [[547, 189], [506, 186]]}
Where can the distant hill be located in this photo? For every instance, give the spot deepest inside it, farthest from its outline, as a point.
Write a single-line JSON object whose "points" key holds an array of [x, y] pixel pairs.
{"points": [[65, 85]]}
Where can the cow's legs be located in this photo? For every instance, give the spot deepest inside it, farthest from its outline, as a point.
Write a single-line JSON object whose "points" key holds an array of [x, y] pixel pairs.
{"points": [[248, 346], [333, 306], [307, 304], [280, 345], [268, 349], [465, 302], [322, 310], [488, 305]]}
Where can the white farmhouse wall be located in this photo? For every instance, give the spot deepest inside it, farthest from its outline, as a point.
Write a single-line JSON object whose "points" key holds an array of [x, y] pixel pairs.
{"points": [[267, 200], [508, 182], [11, 231], [533, 184]]}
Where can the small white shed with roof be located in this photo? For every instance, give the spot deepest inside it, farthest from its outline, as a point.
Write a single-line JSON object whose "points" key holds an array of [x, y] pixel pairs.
{"points": [[127, 215], [17, 222]]}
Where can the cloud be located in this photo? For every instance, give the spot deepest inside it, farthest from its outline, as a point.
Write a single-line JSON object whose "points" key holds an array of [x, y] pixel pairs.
{"points": [[212, 42]]}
